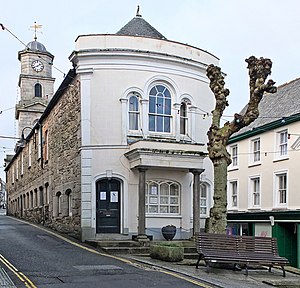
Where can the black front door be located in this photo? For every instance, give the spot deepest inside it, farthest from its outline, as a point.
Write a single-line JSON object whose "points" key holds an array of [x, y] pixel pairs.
{"points": [[108, 206]]}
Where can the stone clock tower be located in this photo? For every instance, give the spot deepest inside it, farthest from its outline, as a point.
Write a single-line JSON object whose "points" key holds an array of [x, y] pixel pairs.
{"points": [[36, 84]]}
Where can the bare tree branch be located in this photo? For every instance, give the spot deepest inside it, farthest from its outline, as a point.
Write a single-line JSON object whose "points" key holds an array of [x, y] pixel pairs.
{"points": [[259, 70]]}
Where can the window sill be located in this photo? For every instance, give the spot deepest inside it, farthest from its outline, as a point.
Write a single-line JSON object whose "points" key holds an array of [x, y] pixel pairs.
{"points": [[253, 164], [254, 209], [233, 168], [281, 158], [233, 209], [161, 135], [163, 216], [280, 208]]}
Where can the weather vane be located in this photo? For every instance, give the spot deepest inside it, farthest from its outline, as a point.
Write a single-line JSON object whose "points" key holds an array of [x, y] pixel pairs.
{"points": [[35, 28]]}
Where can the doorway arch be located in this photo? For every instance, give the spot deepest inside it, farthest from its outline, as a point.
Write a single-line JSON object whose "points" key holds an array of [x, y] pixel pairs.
{"points": [[108, 208]]}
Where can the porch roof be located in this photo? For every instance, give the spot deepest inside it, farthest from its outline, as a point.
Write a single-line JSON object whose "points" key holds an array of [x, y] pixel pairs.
{"points": [[153, 154]]}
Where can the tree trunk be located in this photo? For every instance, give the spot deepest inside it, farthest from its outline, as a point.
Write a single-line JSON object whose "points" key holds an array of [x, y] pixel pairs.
{"points": [[259, 70], [218, 213]]}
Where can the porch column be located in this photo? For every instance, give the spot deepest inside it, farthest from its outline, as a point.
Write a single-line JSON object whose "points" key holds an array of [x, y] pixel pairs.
{"points": [[196, 200], [142, 194]]}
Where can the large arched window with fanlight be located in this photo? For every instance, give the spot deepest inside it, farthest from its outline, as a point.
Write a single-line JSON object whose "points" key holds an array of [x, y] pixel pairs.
{"points": [[37, 90], [160, 109]]}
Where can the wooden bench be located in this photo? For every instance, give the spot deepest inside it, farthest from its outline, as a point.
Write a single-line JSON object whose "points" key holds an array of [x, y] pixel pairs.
{"points": [[238, 250]]}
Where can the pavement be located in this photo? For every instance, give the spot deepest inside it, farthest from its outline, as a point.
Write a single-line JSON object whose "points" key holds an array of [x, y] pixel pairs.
{"points": [[225, 276]]}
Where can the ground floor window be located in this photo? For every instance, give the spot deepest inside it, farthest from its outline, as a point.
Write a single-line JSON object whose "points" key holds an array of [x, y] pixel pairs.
{"points": [[162, 197], [203, 199]]}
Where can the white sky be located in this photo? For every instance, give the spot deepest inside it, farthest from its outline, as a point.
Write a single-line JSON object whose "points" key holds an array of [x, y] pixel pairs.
{"points": [[232, 30]]}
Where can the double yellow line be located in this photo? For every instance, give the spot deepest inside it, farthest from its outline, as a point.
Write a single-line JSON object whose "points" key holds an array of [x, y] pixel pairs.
{"points": [[18, 273]]}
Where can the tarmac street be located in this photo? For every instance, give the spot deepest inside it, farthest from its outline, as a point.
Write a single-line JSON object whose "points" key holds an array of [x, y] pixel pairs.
{"points": [[34, 256]]}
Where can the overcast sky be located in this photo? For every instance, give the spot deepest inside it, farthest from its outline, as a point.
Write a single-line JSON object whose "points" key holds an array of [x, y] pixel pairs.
{"points": [[232, 30]]}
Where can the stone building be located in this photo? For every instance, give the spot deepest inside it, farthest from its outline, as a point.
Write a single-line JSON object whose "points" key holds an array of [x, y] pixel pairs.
{"points": [[36, 84], [2, 194], [121, 147]]}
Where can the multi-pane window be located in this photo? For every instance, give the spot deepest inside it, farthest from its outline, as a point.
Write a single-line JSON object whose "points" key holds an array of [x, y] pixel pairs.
{"points": [[255, 186], [283, 142], [203, 199], [183, 119], [162, 197], [282, 188], [256, 150], [234, 155], [233, 190], [160, 109], [133, 111]]}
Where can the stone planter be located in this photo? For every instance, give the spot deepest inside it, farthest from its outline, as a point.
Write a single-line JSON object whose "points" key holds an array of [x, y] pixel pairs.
{"points": [[165, 252], [168, 232]]}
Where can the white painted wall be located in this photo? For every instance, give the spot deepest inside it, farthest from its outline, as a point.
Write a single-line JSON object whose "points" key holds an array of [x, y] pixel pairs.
{"points": [[111, 66]]}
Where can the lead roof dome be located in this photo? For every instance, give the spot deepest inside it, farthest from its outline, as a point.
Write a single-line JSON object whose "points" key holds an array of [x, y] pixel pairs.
{"points": [[36, 46]]}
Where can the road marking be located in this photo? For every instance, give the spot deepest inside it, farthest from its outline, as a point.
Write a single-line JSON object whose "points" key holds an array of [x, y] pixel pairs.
{"points": [[19, 274], [124, 260]]}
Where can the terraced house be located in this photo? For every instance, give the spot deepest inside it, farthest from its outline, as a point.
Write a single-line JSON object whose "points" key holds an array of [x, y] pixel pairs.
{"points": [[120, 150], [263, 187]]}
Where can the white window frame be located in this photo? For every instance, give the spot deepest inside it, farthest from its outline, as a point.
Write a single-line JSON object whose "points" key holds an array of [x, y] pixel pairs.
{"points": [[204, 200], [281, 144], [156, 114], [234, 156], [132, 112], [184, 120], [278, 189], [233, 193], [254, 191], [154, 198], [255, 151]]}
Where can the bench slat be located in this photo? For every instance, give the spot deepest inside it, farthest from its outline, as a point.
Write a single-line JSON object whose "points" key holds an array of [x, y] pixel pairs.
{"points": [[238, 250]]}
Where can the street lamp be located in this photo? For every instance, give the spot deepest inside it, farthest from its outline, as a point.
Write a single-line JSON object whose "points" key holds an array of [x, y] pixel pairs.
{"points": [[22, 141]]}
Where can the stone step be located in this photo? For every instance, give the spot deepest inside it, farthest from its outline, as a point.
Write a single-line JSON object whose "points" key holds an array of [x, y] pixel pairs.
{"points": [[127, 250], [134, 247], [113, 243]]}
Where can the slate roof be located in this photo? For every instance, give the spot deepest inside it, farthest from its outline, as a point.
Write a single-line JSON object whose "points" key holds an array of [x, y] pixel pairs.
{"points": [[140, 27], [273, 107]]}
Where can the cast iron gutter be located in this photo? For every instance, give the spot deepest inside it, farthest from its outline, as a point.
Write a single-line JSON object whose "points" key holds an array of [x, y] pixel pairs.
{"points": [[265, 128]]}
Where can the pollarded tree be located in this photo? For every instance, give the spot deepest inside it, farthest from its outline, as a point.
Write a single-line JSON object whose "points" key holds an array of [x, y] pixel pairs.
{"points": [[259, 70]]}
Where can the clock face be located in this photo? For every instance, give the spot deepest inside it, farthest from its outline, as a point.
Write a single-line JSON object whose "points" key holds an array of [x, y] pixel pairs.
{"points": [[37, 65]]}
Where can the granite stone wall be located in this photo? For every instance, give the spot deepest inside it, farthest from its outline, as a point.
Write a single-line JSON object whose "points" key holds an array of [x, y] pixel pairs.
{"points": [[43, 179]]}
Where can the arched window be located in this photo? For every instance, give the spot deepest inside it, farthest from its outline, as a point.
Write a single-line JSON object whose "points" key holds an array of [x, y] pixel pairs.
{"points": [[37, 90], [133, 111], [162, 197], [203, 199], [160, 109], [183, 119], [58, 203], [31, 199], [69, 202]]}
